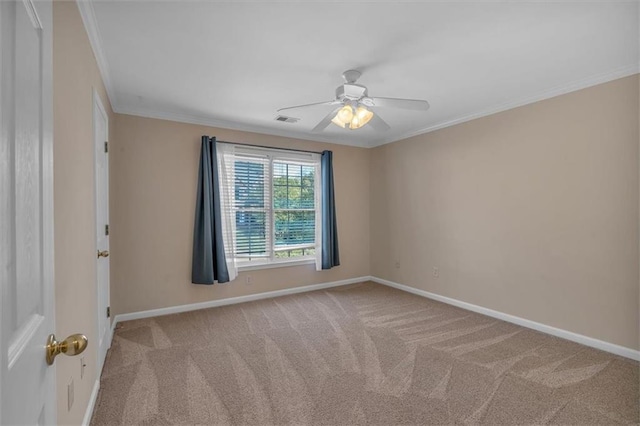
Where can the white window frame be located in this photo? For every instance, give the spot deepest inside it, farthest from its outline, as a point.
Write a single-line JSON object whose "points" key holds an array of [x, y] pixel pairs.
{"points": [[295, 157]]}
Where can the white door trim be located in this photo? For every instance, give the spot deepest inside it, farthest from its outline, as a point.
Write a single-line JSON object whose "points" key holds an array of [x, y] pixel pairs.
{"points": [[98, 108], [48, 245]]}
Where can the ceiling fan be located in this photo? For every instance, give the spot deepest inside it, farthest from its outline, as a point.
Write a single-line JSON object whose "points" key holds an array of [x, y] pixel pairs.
{"points": [[354, 106]]}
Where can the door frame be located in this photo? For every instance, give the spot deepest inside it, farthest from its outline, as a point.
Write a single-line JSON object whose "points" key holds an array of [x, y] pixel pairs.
{"points": [[98, 108], [48, 224]]}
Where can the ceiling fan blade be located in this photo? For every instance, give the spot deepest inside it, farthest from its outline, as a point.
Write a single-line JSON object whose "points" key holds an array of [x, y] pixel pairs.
{"points": [[334, 102], [378, 123], [413, 104], [325, 121]]}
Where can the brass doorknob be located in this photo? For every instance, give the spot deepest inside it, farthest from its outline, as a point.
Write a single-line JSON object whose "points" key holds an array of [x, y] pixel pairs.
{"points": [[72, 345], [103, 253]]}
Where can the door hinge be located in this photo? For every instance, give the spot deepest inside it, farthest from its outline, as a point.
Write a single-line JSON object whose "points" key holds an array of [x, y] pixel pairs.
{"points": [[106, 146], [106, 230], [108, 311]]}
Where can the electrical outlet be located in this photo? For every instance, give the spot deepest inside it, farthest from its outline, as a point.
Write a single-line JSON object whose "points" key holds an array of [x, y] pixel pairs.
{"points": [[436, 272], [70, 394], [248, 279], [397, 264], [82, 367]]}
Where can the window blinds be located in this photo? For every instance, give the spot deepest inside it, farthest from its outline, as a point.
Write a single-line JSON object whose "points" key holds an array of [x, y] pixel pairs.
{"points": [[270, 204]]}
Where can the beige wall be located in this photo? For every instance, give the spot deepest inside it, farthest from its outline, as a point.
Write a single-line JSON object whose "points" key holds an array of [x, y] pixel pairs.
{"points": [[75, 74], [532, 212], [154, 172]]}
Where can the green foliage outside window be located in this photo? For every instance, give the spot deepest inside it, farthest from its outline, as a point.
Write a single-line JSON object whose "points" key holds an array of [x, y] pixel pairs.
{"points": [[294, 205], [293, 209]]}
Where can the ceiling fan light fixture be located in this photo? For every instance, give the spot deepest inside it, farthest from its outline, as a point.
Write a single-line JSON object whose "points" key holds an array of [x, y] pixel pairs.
{"points": [[338, 122], [362, 117], [349, 117], [344, 116]]}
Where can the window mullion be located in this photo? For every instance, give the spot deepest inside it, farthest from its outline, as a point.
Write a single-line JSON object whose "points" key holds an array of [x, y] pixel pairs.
{"points": [[272, 228]]}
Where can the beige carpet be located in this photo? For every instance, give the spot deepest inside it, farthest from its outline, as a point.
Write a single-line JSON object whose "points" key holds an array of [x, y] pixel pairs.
{"points": [[360, 354]]}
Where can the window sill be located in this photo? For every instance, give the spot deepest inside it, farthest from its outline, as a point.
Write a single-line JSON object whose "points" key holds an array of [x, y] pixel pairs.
{"points": [[271, 265]]}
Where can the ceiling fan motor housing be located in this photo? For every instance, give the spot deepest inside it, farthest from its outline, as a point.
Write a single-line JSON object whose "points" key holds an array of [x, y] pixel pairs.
{"points": [[351, 91]]}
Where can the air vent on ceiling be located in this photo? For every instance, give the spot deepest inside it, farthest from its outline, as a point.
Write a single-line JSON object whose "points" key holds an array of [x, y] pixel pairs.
{"points": [[286, 119]]}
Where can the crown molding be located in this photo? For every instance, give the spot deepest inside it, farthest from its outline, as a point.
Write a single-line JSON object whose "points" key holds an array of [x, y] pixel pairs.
{"points": [[212, 122], [89, 19], [231, 125], [91, 26], [574, 86]]}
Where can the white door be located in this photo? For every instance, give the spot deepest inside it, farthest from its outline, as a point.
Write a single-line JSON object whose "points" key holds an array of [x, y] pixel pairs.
{"points": [[27, 383], [100, 141]]}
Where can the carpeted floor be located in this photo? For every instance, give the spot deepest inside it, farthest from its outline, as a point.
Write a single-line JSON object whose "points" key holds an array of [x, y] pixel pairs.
{"points": [[359, 354]]}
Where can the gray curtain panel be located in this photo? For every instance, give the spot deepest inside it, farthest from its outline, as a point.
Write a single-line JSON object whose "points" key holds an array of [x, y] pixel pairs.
{"points": [[330, 252], [208, 263]]}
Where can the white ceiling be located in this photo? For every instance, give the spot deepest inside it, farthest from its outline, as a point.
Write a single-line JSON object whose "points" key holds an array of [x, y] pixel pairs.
{"points": [[233, 64]]}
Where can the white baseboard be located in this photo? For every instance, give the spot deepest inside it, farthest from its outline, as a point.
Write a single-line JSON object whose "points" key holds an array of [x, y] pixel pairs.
{"points": [[574, 337], [568, 335], [114, 322], [92, 403], [233, 300], [204, 305]]}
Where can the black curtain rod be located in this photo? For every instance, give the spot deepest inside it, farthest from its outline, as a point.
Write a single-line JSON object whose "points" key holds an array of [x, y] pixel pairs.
{"points": [[270, 147]]}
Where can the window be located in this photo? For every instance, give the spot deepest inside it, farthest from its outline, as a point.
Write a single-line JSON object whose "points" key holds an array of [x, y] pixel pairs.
{"points": [[275, 204]]}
